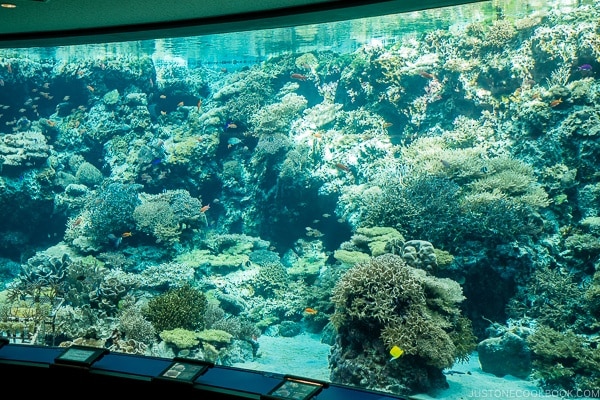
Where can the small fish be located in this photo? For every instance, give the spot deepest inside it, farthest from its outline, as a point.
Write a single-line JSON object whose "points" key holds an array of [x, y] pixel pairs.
{"points": [[116, 241], [199, 104], [584, 67], [163, 96], [230, 125], [299, 77], [156, 161], [232, 141], [126, 234], [205, 208], [180, 104], [556, 102], [342, 167], [90, 88], [426, 75], [396, 352], [310, 311]]}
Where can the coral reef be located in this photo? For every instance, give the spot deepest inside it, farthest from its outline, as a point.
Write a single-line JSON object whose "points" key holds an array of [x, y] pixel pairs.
{"points": [[407, 308], [564, 360], [181, 307], [316, 171]]}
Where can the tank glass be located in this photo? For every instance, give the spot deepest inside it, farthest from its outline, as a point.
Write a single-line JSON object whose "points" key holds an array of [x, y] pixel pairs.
{"points": [[407, 203]]}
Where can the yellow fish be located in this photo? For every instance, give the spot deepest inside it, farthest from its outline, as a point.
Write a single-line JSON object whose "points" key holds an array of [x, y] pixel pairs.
{"points": [[396, 352]]}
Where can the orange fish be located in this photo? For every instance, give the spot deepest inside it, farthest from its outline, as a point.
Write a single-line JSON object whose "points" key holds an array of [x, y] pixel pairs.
{"points": [[205, 208], [556, 102], [310, 311], [126, 234], [299, 77]]}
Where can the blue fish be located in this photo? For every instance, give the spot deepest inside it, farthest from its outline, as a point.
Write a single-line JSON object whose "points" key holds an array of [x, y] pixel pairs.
{"points": [[584, 67], [233, 141], [156, 161]]}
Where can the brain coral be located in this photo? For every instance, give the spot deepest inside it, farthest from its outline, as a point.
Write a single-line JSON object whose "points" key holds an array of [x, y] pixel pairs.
{"points": [[383, 302]]}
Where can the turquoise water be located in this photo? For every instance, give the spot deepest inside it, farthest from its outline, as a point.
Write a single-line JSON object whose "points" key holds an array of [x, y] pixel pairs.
{"points": [[423, 182]]}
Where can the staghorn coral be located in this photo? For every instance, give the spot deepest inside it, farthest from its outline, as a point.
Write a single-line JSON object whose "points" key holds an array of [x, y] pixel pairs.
{"points": [[408, 308], [564, 360], [500, 34], [554, 299], [177, 308]]}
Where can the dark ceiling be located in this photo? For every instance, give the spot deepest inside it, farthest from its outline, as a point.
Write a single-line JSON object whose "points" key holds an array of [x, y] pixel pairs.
{"points": [[61, 22]]}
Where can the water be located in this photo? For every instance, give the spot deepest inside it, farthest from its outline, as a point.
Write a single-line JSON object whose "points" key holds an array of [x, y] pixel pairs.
{"points": [[319, 193]]}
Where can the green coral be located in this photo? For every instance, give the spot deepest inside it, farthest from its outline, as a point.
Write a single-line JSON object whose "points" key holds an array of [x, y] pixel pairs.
{"points": [[215, 336], [554, 299], [178, 308], [271, 279], [180, 338], [408, 308], [349, 257], [564, 360]]}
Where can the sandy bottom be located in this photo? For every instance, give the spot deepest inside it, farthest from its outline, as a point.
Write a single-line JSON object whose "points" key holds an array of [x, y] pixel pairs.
{"points": [[304, 355]]}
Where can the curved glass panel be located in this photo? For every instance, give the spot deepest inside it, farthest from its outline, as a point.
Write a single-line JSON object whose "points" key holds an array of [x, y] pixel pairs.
{"points": [[407, 203]]}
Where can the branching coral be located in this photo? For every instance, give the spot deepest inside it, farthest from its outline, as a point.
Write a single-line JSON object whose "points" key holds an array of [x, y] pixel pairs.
{"points": [[165, 215], [178, 308], [133, 324], [408, 307], [564, 360]]}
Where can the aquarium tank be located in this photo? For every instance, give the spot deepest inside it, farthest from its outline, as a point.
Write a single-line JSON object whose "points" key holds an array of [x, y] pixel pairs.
{"points": [[406, 203]]}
